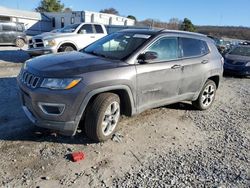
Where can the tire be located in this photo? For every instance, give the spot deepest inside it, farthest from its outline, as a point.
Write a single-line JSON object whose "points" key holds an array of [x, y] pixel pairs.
{"points": [[206, 96], [66, 48], [102, 117], [20, 43]]}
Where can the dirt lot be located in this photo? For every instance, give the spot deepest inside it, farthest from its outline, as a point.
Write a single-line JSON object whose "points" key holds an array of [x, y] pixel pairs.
{"points": [[171, 146]]}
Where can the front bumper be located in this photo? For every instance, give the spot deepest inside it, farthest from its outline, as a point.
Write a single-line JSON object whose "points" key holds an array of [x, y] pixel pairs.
{"points": [[65, 123], [237, 70], [40, 51], [64, 128]]}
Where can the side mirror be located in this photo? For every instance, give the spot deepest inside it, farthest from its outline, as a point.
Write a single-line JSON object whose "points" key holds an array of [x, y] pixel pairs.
{"points": [[83, 31], [143, 58]]}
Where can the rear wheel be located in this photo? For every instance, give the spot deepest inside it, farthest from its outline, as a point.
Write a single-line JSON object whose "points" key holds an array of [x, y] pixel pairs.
{"points": [[102, 117], [20, 43], [206, 97]]}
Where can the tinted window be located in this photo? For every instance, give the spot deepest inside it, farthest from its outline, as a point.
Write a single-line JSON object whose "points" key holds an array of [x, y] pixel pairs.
{"points": [[193, 47], [62, 22], [72, 20], [20, 27], [53, 22], [98, 29], [8, 27], [87, 27], [166, 48]]}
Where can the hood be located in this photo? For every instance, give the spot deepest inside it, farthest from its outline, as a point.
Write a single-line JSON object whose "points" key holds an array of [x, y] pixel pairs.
{"points": [[50, 35], [69, 64], [238, 58]]}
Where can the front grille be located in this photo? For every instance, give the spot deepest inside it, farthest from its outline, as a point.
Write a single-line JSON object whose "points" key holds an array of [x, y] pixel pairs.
{"points": [[36, 43], [29, 79], [232, 62]]}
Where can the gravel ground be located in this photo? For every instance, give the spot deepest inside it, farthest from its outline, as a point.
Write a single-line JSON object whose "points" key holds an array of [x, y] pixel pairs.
{"points": [[171, 146], [11, 59], [225, 159]]}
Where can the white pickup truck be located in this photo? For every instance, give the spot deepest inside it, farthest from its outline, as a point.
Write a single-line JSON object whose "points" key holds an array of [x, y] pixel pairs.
{"points": [[69, 38]]}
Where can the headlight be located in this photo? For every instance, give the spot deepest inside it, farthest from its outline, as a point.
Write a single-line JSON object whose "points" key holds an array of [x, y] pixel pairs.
{"points": [[248, 64], [57, 83], [49, 43]]}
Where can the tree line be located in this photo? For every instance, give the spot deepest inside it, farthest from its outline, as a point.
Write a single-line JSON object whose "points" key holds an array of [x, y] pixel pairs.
{"points": [[174, 23]]}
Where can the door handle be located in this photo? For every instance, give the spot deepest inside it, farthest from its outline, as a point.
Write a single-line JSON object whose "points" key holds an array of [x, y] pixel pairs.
{"points": [[176, 67], [204, 61], [92, 37]]}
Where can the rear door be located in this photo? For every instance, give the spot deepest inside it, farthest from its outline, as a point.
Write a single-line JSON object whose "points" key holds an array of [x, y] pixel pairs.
{"points": [[158, 80], [195, 54], [8, 33], [99, 31]]}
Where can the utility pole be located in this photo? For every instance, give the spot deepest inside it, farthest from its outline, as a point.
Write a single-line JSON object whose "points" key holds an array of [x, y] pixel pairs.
{"points": [[17, 4]]}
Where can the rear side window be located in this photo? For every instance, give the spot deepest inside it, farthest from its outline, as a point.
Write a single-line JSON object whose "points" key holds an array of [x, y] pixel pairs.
{"points": [[193, 47], [98, 29], [8, 27]]}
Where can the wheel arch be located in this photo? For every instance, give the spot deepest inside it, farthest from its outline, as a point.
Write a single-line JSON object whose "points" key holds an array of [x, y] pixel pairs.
{"points": [[123, 91], [216, 80], [70, 43]]}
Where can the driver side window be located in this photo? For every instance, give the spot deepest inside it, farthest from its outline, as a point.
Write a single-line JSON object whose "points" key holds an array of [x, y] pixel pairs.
{"points": [[166, 49], [86, 29]]}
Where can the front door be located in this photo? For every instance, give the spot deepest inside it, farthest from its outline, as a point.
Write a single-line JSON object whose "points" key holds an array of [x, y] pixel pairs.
{"points": [[86, 35], [158, 80]]}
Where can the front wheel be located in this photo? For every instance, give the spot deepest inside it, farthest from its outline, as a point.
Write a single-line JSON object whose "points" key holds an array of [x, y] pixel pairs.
{"points": [[206, 97], [102, 117], [66, 48], [20, 43]]}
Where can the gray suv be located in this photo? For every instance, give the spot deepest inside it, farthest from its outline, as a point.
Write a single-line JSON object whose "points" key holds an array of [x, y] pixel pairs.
{"points": [[12, 33], [123, 73]]}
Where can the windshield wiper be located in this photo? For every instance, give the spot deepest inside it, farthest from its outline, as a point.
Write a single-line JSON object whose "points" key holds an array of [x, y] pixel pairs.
{"points": [[97, 54]]}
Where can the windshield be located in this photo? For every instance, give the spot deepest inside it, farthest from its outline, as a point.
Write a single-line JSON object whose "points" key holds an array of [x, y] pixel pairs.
{"points": [[117, 45], [68, 28], [242, 51]]}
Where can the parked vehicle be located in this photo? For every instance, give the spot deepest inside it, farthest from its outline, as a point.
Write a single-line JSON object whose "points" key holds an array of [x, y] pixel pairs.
{"points": [[69, 38], [12, 33], [123, 73], [237, 61], [222, 45]]}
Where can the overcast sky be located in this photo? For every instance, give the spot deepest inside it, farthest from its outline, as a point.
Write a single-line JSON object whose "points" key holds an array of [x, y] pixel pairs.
{"points": [[201, 12]]}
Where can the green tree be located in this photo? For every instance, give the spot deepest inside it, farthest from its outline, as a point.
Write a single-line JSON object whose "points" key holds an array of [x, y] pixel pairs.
{"points": [[131, 17], [187, 25], [50, 6], [110, 11]]}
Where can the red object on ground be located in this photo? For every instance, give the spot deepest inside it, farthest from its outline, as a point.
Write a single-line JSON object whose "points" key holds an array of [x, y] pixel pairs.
{"points": [[77, 156]]}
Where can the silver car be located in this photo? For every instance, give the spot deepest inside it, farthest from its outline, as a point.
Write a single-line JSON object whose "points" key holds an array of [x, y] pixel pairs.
{"points": [[126, 73]]}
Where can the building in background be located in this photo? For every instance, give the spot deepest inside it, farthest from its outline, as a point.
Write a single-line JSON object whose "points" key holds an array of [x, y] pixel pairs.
{"points": [[36, 23], [60, 19]]}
